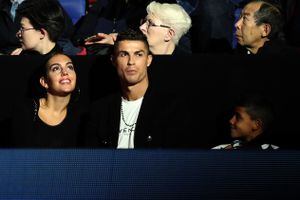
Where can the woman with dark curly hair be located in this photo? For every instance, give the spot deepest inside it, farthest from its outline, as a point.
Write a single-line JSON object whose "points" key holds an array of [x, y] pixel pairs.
{"points": [[51, 117]]}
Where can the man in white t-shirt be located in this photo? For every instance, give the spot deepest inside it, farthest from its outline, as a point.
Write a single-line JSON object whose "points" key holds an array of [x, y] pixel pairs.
{"points": [[131, 59], [139, 116]]}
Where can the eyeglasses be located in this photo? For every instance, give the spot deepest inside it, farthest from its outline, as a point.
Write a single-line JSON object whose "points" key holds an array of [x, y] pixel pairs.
{"points": [[149, 23], [58, 69], [22, 30]]}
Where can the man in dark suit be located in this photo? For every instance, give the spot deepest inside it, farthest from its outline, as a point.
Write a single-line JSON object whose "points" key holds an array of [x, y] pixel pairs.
{"points": [[138, 116], [260, 29]]}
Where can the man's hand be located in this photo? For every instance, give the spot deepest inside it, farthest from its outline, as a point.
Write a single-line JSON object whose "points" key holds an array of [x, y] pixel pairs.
{"points": [[16, 52], [101, 38]]}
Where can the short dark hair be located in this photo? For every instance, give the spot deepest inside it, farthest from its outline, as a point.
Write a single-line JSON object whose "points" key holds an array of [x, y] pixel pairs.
{"points": [[270, 12], [46, 14], [131, 34], [258, 106]]}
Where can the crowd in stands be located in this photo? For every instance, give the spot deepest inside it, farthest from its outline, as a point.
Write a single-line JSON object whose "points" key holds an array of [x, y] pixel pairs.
{"points": [[131, 32], [211, 28]]}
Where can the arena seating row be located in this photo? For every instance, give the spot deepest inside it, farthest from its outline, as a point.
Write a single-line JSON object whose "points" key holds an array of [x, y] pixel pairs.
{"points": [[209, 83]]}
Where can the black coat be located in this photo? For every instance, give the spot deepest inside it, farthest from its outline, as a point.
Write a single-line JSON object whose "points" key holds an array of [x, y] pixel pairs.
{"points": [[272, 48], [163, 122]]}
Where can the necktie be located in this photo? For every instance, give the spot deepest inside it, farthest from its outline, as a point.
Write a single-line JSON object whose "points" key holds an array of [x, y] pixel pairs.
{"points": [[13, 9]]}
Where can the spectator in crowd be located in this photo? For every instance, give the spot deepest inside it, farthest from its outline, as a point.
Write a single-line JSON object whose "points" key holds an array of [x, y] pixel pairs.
{"points": [[260, 29], [51, 118], [42, 25], [9, 25], [251, 124], [164, 26], [139, 116]]}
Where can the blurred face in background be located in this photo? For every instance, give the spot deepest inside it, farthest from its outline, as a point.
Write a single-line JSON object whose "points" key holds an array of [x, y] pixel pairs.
{"points": [[155, 31], [248, 33], [28, 36]]}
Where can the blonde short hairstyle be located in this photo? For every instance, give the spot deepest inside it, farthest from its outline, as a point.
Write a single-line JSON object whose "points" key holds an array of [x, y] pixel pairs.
{"points": [[172, 15]]}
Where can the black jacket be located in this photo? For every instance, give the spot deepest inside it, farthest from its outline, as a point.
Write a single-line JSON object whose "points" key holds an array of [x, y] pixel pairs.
{"points": [[271, 48], [162, 122]]}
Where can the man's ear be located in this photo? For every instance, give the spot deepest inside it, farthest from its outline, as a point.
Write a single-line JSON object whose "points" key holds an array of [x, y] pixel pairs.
{"points": [[170, 34], [266, 30], [44, 83], [149, 60]]}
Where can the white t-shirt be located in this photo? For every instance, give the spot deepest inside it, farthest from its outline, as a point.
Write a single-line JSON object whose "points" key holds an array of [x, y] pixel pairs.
{"points": [[19, 1], [129, 114], [263, 146]]}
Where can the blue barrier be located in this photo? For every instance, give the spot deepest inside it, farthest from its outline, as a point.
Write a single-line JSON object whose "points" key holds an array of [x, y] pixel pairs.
{"points": [[148, 174]]}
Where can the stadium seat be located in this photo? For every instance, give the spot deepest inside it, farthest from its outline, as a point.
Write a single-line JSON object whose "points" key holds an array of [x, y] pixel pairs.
{"points": [[75, 9]]}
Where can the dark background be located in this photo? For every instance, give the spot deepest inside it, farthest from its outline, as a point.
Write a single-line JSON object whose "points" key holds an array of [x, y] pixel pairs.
{"points": [[208, 83]]}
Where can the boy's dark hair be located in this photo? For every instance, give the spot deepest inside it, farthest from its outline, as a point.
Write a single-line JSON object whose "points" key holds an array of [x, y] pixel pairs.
{"points": [[131, 34], [270, 12], [258, 107], [46, 14]]}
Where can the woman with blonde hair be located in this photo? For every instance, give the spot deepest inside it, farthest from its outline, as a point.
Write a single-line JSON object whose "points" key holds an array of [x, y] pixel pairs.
{"points": [[164, 26]]}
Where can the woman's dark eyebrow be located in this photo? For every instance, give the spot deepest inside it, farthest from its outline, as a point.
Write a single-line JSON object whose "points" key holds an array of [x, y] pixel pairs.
{"points": [[70, 62], [50, 66]]}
